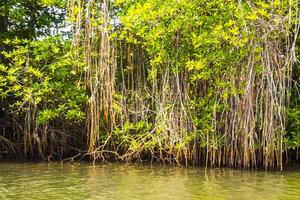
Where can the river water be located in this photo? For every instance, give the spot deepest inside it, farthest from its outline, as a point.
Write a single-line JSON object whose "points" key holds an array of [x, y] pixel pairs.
{"points": [[120, 181]]}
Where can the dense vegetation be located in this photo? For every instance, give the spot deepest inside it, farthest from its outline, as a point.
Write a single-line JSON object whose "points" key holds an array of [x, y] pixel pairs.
{"points": [[178, 81]]}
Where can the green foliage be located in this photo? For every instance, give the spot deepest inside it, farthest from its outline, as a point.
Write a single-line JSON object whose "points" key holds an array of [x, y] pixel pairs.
{"points": [[293, 131], [179, 71], [29, 19], [41, 73], [210, 41]]}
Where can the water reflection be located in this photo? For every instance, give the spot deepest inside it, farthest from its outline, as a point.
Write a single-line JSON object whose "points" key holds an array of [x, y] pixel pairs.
{"points": [[120, 181]]}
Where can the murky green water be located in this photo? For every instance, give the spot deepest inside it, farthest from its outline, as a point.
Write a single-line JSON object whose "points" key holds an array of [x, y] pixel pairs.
{"points": [[120, 181]]}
